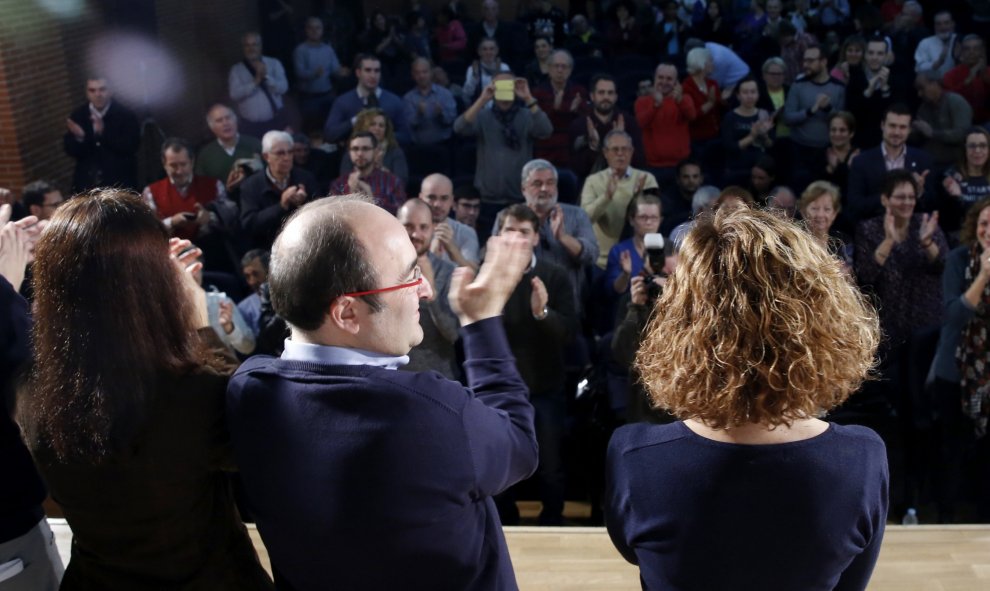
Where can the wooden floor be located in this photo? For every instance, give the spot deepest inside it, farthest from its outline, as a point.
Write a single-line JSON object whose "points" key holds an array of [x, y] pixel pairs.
{"points": [[913, 558]]}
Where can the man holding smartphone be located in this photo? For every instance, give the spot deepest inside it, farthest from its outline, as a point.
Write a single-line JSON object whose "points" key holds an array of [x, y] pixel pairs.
{"points": [[180, 199]]}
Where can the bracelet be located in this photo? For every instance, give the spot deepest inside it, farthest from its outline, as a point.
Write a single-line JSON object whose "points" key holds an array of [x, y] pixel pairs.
{"points": [[532, 104]]}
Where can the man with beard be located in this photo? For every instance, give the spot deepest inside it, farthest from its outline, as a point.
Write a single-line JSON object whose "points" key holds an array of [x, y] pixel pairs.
{"points": [[438, 321], [368, 179], [194, 207], [812, 98], [566, 237], [586, 133], [180, 198], [868, 170], [452, 240]]}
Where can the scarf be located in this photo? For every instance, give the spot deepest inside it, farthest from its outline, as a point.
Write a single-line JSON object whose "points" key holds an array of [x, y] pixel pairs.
{"points": [[263, 87], [973, 354], [506, 119]]}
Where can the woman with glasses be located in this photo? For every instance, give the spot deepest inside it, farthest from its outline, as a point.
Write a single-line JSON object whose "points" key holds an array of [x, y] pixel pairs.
{"points": [[123, 410], [969, 180], [962, 379]]}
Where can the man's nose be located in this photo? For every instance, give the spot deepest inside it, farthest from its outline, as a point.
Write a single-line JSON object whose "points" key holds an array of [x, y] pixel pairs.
{"points": [[425, 290]]}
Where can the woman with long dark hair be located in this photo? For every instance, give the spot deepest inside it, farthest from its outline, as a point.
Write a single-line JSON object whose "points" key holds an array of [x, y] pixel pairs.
{"points": [[962, 382], [123, 410]]}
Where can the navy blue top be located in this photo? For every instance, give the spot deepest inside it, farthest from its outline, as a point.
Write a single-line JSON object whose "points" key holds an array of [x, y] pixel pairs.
{"points": [[362, 477], [694, 513]]}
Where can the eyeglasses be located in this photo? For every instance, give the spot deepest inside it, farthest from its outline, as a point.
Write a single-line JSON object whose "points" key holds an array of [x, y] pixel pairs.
{"points": [[361, 148], [647, 218], [540, 184], [416, 281], [977, 146]]}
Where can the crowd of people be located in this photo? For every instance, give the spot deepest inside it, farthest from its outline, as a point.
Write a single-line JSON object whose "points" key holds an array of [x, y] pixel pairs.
{"points": [[582, 136]]}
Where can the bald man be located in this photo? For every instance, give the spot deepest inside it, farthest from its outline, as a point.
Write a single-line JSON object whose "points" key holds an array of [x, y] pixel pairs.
{"points": [[359, 474], [452, 240], [438, 321]]}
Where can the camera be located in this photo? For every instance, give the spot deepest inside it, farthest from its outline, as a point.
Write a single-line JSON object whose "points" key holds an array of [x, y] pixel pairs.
{"points": [[655, 259]]}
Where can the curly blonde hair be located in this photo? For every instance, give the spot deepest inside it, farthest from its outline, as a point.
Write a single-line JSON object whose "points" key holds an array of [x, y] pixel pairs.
{"points": [[758, 324], [364, 119]]}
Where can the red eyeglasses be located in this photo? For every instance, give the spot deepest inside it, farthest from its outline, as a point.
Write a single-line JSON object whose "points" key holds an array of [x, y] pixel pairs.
{"points": [[416, 280]]}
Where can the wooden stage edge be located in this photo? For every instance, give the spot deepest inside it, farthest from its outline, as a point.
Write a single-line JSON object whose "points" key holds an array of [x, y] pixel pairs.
{"points": [[913, 558]]}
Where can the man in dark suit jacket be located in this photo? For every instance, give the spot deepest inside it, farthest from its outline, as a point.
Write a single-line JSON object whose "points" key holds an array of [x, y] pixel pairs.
{"points": [[103, 137], [867, 171], [360, 476], [270, 195]]}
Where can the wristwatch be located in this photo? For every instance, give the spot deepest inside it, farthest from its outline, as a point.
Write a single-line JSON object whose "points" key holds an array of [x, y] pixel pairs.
{"points": [[542, 314]]}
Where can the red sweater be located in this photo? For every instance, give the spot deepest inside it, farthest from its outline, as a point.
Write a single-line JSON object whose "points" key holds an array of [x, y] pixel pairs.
{"points": [[557, 147], [976, 92], [666, 129], [168, 202], [706, 125]]}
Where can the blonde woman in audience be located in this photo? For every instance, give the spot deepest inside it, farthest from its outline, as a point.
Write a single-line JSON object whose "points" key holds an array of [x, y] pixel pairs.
{"points": [[389, 156], [758, 332], [819, 205], [123, 410]]}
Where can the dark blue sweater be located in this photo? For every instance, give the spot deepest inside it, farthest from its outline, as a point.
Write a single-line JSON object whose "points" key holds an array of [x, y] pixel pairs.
{"points": [[22, 492], [368, 478], [697, 514]]}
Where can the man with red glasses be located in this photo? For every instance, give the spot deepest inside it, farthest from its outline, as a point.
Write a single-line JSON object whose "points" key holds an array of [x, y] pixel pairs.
{"points": [[359, 476]]}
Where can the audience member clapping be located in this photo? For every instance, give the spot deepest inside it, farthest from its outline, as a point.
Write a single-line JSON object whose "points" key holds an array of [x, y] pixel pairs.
{"points": [[388, 155], [367, 177], [127, 396], [969, 180], [960, 369]]}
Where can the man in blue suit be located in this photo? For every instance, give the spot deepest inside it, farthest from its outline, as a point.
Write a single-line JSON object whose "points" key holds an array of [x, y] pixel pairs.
{"points": [[360, 476], [368, 94], [868, 169]]}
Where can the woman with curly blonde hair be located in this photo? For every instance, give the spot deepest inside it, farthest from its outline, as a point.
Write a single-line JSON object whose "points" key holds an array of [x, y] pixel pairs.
{"points": [[758, 332], [388, 155]]}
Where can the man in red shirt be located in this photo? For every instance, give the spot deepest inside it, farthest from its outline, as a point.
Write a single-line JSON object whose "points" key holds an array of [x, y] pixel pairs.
{"points": [[665, 116], [193, 207], [971, 78], [180, 199]]}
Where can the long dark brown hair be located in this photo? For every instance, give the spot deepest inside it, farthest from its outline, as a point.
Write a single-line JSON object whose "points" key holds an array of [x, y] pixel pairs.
{"points": [[110, 316]]}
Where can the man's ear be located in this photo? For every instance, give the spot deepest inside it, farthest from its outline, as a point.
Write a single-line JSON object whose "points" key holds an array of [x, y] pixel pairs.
{"points": [[345, 316]]}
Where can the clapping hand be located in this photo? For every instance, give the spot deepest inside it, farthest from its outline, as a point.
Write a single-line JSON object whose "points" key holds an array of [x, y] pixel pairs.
{"points": [[538, 298], [929, 223]]}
